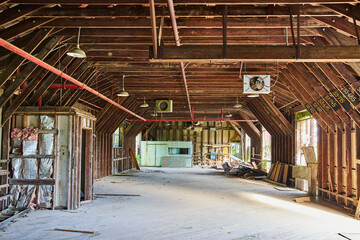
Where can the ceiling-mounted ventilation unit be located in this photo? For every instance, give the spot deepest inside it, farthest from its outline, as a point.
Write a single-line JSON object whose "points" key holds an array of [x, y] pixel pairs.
{"points": [[256, 84], [164, 105]]}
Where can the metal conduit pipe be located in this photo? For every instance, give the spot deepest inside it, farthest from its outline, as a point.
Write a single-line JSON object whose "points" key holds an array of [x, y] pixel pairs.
{"points": [[43, 64]]}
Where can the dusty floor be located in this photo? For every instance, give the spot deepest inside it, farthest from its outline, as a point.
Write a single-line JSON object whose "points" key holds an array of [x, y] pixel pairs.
{"points": [[188, 204]]}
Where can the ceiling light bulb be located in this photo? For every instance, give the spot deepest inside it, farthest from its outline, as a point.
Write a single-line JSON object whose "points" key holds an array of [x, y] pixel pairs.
{"points": [[228, 115], [144, 105], [253, 95], [123, 93], [237, 104], [77, 52]]}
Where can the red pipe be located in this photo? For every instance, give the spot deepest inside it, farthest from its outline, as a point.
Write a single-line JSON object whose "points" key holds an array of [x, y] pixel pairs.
{"points": [[43, 64], [190, 120], [222, 114], [63, 86], [39, 102]]}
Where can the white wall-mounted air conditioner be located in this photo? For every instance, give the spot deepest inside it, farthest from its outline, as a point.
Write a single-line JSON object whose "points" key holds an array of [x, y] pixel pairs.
{"points": [[256, 84]]}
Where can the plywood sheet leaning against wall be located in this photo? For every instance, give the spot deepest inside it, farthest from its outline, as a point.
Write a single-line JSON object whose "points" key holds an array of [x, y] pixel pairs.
{"points": [[56, 167]]}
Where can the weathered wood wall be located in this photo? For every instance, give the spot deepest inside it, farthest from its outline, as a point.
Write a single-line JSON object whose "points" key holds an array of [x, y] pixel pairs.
{"points": [[338, 165], [108, 120], [281, 130]]}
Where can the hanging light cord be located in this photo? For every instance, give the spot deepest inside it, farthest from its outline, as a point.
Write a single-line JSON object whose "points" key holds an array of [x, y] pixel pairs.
{"points": [[277, 74], [78, 39]]}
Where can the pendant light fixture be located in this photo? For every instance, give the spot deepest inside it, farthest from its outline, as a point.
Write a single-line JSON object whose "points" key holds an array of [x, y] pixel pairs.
{"points": [[228, 115], [77, 52], [144, 105], [123, 93], [237, 104]]}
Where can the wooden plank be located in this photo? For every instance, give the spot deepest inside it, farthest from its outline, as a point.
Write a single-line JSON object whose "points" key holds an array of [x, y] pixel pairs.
{"points": [[285, 173], [48, 131], [357, 212], [32, 181], [31, 156], [71, 230], [303, 199], [207, 54], [132, 153]]}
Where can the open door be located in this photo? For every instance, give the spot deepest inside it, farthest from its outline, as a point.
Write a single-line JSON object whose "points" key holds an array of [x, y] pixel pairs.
{"points": [[86, 167]]}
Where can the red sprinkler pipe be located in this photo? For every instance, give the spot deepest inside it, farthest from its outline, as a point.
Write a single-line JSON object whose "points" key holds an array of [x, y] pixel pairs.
{"points": [[63, 86], [39, 102], [191, 120], [43, 64]]}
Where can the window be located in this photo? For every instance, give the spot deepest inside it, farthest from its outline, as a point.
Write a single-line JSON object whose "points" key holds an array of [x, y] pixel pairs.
{"points": [[178, 151], [306, 135], [116, 138], [266, 149], [235, 149]]}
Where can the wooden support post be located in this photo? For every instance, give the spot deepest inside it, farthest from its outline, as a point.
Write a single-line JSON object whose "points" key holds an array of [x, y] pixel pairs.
{"points": [[343, 157], [354, 177], [298, 35], [153, 27], [357, 212], [225, 30], [335, 155], [133, 156]]}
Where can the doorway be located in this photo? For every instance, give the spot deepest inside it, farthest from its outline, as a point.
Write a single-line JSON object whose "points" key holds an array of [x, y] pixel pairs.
{"points": [[86, 168]]}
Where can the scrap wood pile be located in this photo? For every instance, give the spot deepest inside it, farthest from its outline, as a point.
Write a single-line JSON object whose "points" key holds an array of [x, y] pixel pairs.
{"points": [[243, 169], [279, 172]]}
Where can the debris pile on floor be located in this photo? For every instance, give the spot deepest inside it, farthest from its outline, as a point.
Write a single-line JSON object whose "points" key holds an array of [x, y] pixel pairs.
{"points": [[244, 170], [10, 214]]}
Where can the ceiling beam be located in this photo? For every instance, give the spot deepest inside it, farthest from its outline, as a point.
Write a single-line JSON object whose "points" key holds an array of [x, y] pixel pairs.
{"points": [[181, 11], [208, 54], [179, 2], [143, 22], [16, 13], [347, 10], [341, 24]]}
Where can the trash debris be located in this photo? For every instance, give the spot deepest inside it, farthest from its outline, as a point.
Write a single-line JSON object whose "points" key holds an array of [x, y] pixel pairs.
{"points": [[70, 230], [243, 169], [285, 189], [302, 199], [86, 202]]}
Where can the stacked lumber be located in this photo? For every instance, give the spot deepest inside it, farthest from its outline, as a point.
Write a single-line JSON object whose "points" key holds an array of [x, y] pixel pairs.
{"points": [[279, 172]]}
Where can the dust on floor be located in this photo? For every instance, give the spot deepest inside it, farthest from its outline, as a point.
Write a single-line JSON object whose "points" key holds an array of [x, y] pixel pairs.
{"points": [[188, 204]]}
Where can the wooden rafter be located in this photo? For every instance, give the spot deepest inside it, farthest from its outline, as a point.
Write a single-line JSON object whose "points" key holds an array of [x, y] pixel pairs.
{"points": [[209, 54]]}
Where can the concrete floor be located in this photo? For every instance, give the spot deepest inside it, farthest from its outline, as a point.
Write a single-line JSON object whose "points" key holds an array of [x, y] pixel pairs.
{"points": [[188, 204]]}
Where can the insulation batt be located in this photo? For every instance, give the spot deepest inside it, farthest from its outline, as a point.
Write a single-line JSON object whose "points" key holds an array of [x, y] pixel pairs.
{"points": [[30, 134], [16, 133]]}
